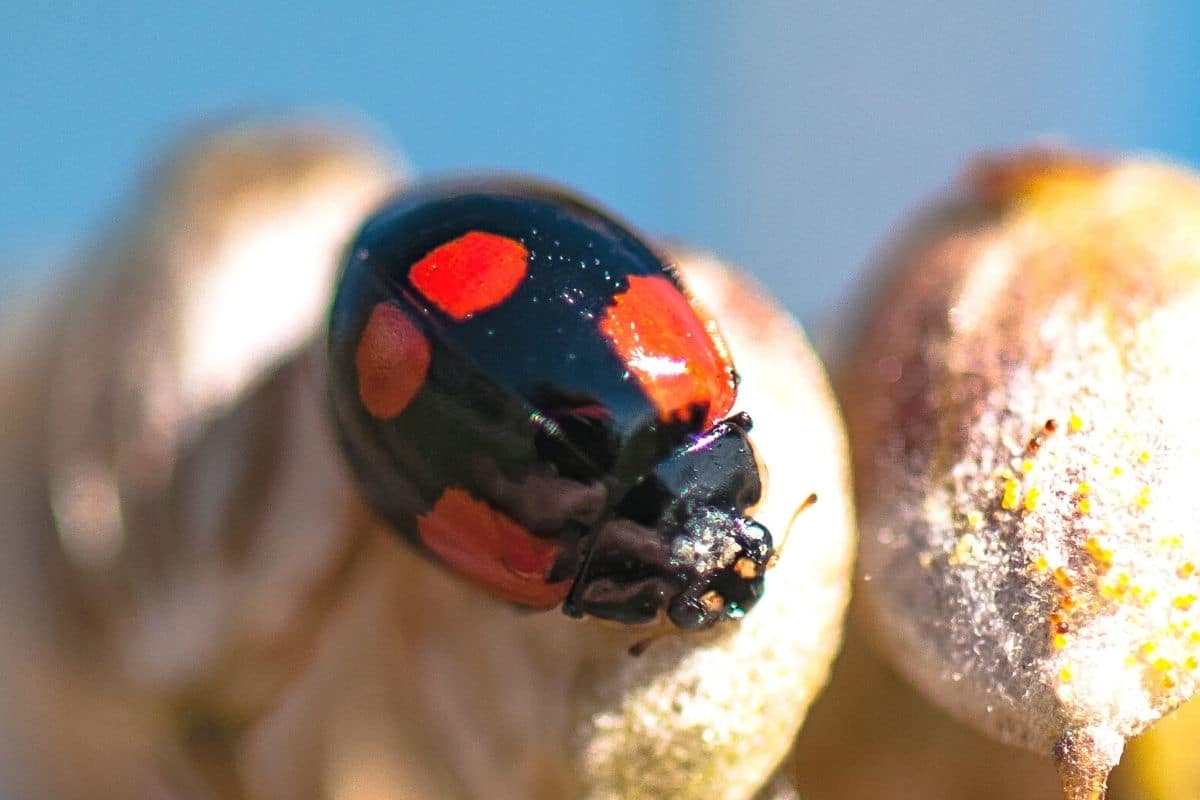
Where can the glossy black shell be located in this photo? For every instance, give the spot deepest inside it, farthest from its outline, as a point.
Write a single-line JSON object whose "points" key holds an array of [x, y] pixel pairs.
{"points": [[503, 410]]}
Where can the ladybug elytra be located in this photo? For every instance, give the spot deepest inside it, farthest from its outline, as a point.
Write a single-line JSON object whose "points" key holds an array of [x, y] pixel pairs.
{"points": [[526, 394]]}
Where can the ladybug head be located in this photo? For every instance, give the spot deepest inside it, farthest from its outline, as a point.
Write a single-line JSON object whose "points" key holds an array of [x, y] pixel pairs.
{"points": [[726, 556], [680, 541]]}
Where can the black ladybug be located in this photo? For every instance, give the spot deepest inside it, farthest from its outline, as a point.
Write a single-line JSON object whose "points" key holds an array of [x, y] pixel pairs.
{"points": [[526, 393]]}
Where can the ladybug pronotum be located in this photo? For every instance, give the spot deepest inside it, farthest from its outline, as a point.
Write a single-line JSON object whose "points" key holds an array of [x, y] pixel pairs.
{"points": [[526, 393]]}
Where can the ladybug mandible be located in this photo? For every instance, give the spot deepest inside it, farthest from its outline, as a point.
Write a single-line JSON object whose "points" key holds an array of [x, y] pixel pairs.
{"points": [[526, 393]]}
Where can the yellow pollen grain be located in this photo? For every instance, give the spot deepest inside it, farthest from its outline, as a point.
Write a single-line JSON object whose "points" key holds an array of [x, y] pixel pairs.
{"points": [[1168, 682], [1194, 637], [1075, 423], [1027, 466], [1144, 456], [1084, 505], [1041, 564], [1062, 578], [1149, 647], [1009, 501], [1117, 471], [1184, 601], [1191, 662], [1084, 489], [1117, 589], [974, 519], [1143, 497], [964, 549], [1031, 498], [1059, 641], [1101, 554], [1174, 540], [1066, 674], [1186, 569], [1163, 664]]}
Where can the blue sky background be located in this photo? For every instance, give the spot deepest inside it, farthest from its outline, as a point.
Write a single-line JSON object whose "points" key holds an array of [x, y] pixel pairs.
{"points": [[789, 139]]}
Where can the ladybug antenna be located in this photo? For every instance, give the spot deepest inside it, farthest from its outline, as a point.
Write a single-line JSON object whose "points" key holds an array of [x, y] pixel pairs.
{"points": [[809, 501]]}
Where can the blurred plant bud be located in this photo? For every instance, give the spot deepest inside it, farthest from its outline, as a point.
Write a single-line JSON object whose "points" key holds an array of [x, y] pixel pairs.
{"points": [[871, 734], [1021, 402]]}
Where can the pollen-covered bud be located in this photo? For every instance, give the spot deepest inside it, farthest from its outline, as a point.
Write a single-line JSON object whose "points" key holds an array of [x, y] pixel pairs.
{"points": [[710, 715], [1022, 407]]}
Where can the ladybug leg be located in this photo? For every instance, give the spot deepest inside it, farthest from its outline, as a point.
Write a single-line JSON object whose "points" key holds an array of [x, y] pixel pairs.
{"points": [[622, 579]]}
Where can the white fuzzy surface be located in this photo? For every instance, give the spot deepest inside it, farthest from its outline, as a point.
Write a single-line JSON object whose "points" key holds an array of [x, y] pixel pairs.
{"points": [[1074, 299], [711, 719]]}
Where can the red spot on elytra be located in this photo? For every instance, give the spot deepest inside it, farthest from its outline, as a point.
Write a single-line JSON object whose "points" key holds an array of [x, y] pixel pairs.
{"points": [[677, 360], [492, 549], [472, 273], [391, 361]]}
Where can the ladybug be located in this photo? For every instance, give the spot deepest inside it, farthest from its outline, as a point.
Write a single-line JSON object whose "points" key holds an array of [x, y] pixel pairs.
{"points": [[526, 393]]}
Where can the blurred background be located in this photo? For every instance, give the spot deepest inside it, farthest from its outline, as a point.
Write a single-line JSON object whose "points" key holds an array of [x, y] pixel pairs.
{"points": [[785, 137]]}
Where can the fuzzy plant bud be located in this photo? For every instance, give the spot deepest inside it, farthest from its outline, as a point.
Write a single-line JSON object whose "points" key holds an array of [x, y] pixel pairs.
{"points": [[711, 718], [195, 601], [1022, 407]]}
